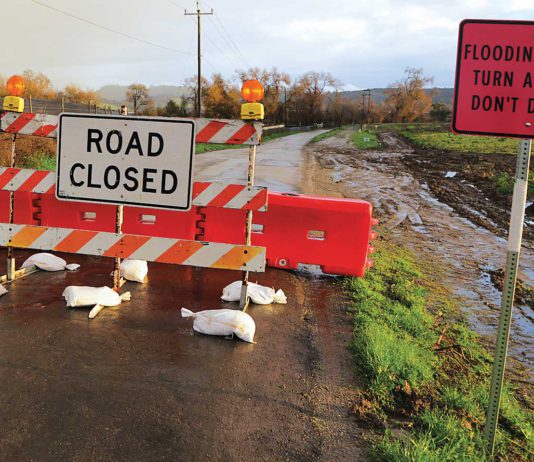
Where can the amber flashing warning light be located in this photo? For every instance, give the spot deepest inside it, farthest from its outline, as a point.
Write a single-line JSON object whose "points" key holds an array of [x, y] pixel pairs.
{"points": [[252, 92], [15, 89]]}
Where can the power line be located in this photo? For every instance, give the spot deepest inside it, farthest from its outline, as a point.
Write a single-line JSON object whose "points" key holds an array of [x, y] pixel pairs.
{"points": [[232, 41], [176, 4], [146, 42], [230, 46], [220, 51]]}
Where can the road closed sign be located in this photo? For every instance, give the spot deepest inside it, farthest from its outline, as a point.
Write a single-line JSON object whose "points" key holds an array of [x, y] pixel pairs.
{"points": [[125, 160], [494, 86]]}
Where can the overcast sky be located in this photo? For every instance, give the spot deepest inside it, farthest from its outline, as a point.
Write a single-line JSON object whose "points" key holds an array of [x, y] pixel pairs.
{"points": [[363, 43]]}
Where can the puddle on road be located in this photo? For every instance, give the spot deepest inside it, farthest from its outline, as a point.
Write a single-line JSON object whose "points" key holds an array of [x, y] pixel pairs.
{"points": [[429, 226]]}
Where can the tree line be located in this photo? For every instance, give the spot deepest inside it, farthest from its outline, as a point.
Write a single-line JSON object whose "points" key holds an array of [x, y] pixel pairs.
{"points": [[314, 97]]}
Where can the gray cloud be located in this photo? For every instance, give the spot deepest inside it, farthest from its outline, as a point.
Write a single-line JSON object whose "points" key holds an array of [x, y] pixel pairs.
{"points": [[363, 44]]}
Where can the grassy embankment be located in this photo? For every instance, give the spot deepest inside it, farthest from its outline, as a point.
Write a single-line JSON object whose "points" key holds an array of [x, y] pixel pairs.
{"points": [[426, 374]]}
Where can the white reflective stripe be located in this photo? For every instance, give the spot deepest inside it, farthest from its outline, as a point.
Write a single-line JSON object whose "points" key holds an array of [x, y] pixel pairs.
{"points": [[100, 243], [206, 196], [226, 132], [7, 231], [241, 199], [50, 238], [257, 263], [208, 254], [18, 180], [31, 127], [518, 215], [45, 184], [153, 249]]}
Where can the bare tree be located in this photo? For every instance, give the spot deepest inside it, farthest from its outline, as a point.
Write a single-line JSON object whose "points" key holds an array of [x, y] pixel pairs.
{"points": [[406, 100], [137, 94]]}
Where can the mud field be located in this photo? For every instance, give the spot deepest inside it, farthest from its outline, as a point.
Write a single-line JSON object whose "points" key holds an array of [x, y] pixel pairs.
{"points": [[456, 220]]}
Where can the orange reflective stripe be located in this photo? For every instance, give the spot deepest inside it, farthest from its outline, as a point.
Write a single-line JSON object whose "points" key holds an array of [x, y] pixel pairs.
{"points": [[75, 241], [237, 257], [26, 236], [127, 245], [180, 252]]}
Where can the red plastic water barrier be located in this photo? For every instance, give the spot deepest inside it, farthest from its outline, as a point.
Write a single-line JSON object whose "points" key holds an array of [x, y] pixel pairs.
{"points": [[101, 217], [329, 232], [296, 229]]}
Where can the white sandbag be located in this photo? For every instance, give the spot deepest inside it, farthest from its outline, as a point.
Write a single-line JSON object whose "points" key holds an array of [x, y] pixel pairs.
{"points": [[223, 322], [48, 262], [77, 296], [3, 290], [134, 270], [260, 295]]}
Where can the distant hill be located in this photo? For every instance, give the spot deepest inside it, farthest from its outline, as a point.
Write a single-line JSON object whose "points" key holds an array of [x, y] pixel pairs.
{"points": [[439, 95], [161, 94]]}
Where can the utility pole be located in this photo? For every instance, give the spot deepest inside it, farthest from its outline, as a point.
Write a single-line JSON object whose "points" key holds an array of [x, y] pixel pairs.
{"points": [[365, 113], [198, 14]]}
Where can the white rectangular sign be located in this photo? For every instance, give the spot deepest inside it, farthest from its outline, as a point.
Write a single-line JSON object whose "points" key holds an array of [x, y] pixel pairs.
{"points": [[146, 162]]}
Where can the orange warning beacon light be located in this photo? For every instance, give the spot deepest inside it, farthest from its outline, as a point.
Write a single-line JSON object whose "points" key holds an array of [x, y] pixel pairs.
{"points": [[15, 89], [15, 85], [252, 92]]}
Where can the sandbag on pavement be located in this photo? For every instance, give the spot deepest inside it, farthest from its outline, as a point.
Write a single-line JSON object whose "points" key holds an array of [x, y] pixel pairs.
{"points": [[223, 322], [78, 296], [134, 270], [48, 262], [260, 295]]}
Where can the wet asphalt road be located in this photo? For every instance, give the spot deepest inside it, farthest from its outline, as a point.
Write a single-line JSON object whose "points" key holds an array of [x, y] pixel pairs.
{"points": [[137, 384]]}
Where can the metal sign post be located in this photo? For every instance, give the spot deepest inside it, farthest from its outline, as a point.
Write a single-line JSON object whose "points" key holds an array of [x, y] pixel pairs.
{"points": [[507, 301]]}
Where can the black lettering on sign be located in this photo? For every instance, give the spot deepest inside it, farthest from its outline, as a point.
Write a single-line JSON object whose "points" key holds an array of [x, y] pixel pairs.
{"points": [[151, 152], [527, 83], [116, 180], [168, 189], [147, 179], [90, 184], [128, 174], [531, 105], [118, 136], [94, 136], [134, 143], [72, 180]]}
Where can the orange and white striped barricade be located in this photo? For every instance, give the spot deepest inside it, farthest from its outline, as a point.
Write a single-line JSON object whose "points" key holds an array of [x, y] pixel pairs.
{"points": [[118, 245]]}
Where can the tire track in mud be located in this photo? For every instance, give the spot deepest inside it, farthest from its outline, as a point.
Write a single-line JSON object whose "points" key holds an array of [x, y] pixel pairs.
{"points": [[416, 218]]}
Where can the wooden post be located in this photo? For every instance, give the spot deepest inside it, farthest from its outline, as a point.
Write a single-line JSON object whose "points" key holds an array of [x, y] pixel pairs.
{"points": [[117, 280], [244, 301], [62, 104], [10, 254], [31, 104]]}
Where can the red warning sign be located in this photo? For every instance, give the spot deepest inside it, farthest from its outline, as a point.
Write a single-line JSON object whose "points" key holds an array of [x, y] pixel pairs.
{"points": [[493, 91]]}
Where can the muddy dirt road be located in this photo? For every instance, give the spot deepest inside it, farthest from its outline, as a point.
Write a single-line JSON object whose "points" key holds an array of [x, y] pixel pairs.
{"points": [[392, 180], [136, 384]]}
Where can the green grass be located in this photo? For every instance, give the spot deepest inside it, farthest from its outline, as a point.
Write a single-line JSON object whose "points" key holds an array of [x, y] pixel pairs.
{"points": [[365, 140], [40, 161], [400, 311], [439, 136], [325, 135], [504, 183]]}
